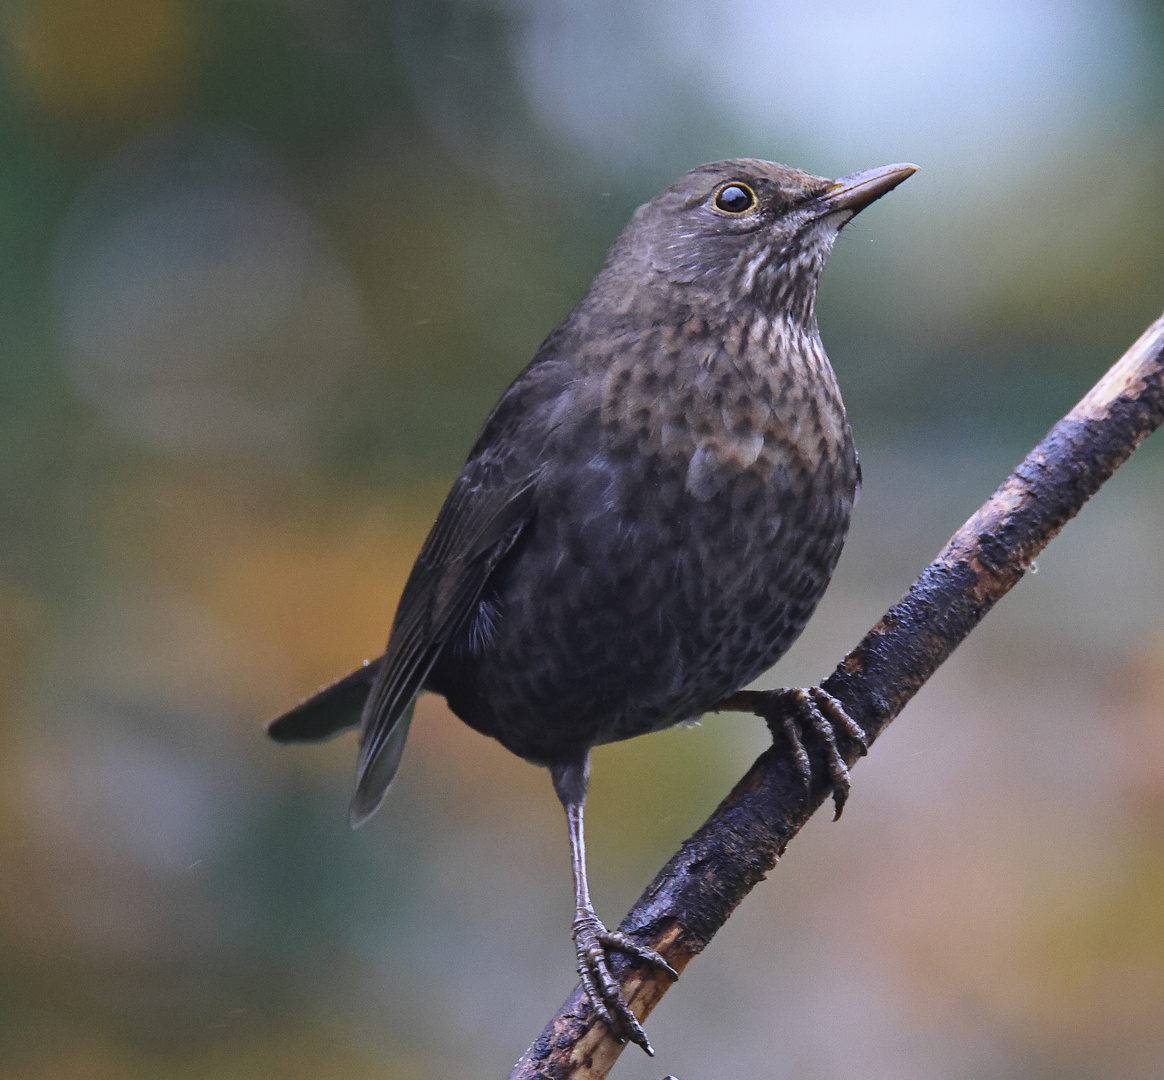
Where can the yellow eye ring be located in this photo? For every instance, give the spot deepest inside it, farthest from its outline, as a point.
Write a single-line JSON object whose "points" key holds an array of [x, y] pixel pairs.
{"points": [[735, 198]]}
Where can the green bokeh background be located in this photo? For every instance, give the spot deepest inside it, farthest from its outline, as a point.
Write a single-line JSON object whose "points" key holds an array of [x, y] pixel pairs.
{"points": [[264, 267]]}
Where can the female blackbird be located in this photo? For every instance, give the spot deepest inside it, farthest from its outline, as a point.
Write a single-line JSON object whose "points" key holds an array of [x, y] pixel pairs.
{"points": [[648, 517]]}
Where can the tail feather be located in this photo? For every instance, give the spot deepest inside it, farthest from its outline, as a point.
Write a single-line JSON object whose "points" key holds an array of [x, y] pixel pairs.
{"points": [[334, 709], [375, 778]]}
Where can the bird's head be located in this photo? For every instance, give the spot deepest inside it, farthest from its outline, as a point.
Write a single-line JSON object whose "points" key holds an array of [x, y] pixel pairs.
{"points": [[742, 231]]}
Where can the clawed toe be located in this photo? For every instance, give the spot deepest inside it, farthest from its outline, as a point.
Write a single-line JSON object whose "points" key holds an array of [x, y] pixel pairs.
{"points": [[591, 940], [819, 712], [616, 939]]}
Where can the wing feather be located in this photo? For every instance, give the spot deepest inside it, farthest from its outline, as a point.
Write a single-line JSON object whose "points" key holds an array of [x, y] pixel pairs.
{"points": [[491, 503], [478, 524]]}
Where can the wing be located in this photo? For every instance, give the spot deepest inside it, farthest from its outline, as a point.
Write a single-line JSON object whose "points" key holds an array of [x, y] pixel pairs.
{"points": [[489, 506], [478, 524], [484, 514]]}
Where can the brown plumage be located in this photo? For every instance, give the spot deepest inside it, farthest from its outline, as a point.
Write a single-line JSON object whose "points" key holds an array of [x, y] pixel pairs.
{"points": [[650, 513]]}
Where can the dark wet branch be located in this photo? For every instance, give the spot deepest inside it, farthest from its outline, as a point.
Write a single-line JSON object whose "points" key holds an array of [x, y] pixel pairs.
{"points": [[699, 888]]}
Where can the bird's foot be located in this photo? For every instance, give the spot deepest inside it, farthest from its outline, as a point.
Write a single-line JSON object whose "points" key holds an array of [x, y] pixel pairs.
{"points": [[790, 712], [795, 710], [591, 940]]}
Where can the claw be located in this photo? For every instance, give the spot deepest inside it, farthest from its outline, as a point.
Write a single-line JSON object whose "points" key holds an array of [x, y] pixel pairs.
{"points": [[591, 940], [616, 939], [823, 714]]}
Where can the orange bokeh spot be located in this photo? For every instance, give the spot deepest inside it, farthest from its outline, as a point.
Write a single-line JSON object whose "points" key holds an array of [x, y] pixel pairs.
{"points": [[105, 59], [315, 579]]}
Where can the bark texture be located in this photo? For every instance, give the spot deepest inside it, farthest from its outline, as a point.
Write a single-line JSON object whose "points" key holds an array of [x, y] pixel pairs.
{"points": [[693, 895]]}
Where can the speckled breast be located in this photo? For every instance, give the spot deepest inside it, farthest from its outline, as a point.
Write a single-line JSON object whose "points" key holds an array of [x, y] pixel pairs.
{"points": [[687, 523]]}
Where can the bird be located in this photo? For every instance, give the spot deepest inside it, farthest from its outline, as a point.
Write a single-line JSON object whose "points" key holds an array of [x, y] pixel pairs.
{"points": [[647, 519]]}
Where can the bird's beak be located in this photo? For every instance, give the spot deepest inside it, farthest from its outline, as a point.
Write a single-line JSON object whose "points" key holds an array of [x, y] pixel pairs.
{"points": [[858, 190]]}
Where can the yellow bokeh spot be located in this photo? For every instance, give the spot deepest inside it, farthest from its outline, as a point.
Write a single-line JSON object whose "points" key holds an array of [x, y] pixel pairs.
{"points": [[105, 59]]}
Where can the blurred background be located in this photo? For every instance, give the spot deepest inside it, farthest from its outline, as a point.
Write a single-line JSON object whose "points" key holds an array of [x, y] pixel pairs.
{"points": [[265, 266]]}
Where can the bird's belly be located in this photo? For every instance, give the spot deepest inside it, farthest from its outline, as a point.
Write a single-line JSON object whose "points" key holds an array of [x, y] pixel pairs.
{"points": [[638, 617]]}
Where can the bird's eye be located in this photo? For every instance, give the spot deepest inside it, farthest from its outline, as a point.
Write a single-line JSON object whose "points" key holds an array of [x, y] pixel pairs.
{"points": [[735, 199]]}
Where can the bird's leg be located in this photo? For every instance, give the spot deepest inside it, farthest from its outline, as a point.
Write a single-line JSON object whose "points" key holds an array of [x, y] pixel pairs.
{"points": [[790, 712], [591, 938]]}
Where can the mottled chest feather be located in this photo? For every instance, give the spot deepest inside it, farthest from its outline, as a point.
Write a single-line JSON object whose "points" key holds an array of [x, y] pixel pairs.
{"points": [[757, 397]]}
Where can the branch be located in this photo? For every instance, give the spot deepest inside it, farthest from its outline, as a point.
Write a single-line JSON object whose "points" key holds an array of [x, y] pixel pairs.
{"points": [[696, 891]]}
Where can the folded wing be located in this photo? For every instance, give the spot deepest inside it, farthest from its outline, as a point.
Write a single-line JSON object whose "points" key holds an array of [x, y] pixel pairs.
{"points": [[481, 520]]}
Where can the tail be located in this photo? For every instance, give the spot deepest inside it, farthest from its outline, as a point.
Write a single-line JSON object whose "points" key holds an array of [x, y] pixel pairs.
{"points": [[337, 708], [334, 709]]}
